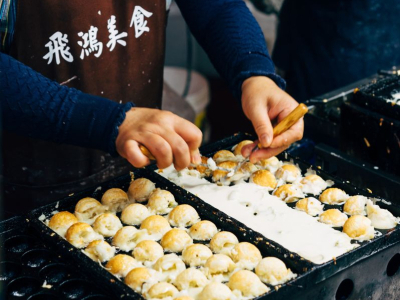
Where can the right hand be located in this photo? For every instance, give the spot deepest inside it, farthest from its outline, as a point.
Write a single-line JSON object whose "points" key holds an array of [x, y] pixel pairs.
{"points": [[171, 139], [263, 101]]}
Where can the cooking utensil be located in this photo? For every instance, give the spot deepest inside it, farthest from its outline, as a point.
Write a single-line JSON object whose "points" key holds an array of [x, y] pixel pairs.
{"points": [[281, 127], [146, 152]]}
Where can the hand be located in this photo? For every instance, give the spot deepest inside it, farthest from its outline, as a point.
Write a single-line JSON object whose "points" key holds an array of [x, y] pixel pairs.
{"points": [[263, 101], [168, 137]]}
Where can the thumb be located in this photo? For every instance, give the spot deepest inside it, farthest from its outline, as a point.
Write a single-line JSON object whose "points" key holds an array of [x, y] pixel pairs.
{"points": [[258, 115]]}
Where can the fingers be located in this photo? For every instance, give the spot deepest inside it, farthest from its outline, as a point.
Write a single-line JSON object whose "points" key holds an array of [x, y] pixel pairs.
{"points": [[247, 149], [195, 156], [159, 147], [193, 137], [169, 138], [134, 155], [293, 134], [279, 143], [258, 114], [180, 150], [189, 132], [281, 108], [168, 147], [266, 153]]}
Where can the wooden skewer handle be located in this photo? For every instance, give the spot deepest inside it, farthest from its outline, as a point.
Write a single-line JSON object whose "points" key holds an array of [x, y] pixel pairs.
{"points": [[146, 152], [290, 120]]}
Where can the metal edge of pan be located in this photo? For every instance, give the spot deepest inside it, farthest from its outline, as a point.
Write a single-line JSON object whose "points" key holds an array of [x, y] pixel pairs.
{"points": [[369, 97]]}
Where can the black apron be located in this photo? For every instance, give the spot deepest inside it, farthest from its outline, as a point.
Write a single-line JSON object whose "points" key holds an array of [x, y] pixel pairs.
{"points": [[116, 50]]}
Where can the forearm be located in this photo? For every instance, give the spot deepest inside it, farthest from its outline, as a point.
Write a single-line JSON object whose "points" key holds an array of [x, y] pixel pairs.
{"points": [[232, 39], [35, 106]]}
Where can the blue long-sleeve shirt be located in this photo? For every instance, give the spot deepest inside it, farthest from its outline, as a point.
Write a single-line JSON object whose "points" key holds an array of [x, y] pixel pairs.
{"points": [[38, 107]]}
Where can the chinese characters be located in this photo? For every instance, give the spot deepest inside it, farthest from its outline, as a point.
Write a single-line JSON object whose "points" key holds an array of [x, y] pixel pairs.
{"points": [[90, 43], [58, 44], [114, 36], [139, 22]]}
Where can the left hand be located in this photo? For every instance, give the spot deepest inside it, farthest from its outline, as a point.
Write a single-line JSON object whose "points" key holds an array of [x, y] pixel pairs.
{"points": [[263, 101]]}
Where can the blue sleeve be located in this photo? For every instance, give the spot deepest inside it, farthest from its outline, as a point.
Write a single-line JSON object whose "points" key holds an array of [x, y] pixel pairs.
{"points": [[232, 38], [34, 106]]}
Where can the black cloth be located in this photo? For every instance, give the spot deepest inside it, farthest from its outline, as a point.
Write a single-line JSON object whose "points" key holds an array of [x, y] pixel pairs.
{"points": [[324, 44]]}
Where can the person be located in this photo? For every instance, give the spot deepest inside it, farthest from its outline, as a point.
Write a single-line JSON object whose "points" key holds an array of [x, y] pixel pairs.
{"points": [[324, 45], [66, 61]]}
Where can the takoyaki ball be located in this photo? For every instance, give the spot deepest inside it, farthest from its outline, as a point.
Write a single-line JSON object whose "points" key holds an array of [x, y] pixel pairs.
{"points": [[271, 164], [100, 250], [247, 168], [176, 240], [215, 291], [184, 298], [218, 175], [289, 193], [288, 173], [196, 255], [134, 214], [115, 200], [246, 255], [121, 264], [223, 155], [183, 215], [238, 148], [381, 218], [202, 168], [264, 178], [148, 252], [61, 221], [219, 265], [162, 290], [359, 228], [124, 239], [203, 231], [223, 242], [170, 265], [81, 234], [107, 224], [88, 209], [355, 205], [333, 196], [313, 184], [273, 271], [311, 206], [161, 202], [140, 278], [140, 190], [190, 278], [247, 284], [156, 225], [333, 217], [244, 172]]}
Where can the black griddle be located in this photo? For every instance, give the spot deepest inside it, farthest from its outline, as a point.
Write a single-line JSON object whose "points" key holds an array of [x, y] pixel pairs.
{"points": [[324, 281], [297, 264], [28, 261], [374, 96], [370, 125]]}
